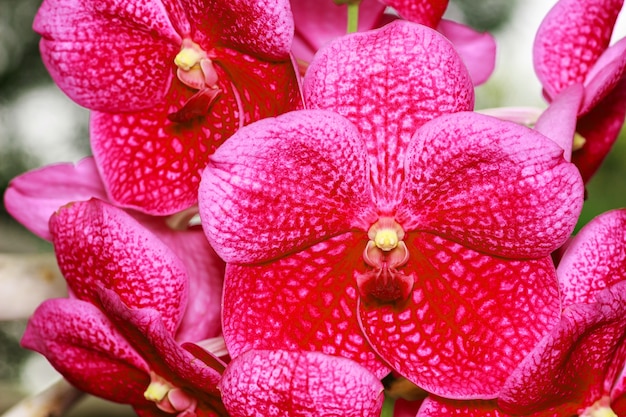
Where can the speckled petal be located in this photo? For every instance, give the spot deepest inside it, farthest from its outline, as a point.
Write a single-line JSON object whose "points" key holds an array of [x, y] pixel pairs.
{"points": [[98, 245], [440, 407], [595, 259], [261, 383], [493, 186], [306, 301], [600, 128], [144, 327], [153, 165], [470, 320], [425, 12], [570, 39], [33, 197], [567, 370], [85, 347], [281, 184], [388, 82], [108, 55], [605, 75]]}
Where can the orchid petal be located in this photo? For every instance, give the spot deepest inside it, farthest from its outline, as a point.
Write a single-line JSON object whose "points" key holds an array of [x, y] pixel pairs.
{"points": [[84, 346], [425, 12], [440, 407], [595, 259], [145, 329], [104, 63], [33, 197], [321, 21], [153, 165], [100, 245], [464, 165], [570, 39], [477, 50], [600, 128], [605, 75], [388, 82], [558, 122], [205, 270], [285, 184], [262, 382], [470, 320], [567, 369], [261, 28], [316, 288]]}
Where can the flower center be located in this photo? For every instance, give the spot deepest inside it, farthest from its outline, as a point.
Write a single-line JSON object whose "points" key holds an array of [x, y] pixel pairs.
{"points": [[168, 398], [385, 253], [601, 408], [195, 69]]}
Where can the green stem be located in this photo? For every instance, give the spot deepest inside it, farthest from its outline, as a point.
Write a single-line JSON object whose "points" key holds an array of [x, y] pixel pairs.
{"points": [[388, 405], [353, 17]]}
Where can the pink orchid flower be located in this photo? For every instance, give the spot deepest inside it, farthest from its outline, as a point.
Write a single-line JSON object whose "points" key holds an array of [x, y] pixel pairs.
{"points": [[317, 23], [572, 47], [579, 368], [264, 383], [115, 337], [388, 224], [169, 82], [32, 198]]}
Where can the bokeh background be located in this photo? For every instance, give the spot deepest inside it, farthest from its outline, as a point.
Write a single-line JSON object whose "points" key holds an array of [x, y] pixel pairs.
{"points": [[39, 126]]}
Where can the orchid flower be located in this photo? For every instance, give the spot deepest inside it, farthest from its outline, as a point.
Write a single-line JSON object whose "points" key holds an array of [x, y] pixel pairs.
{"points": [[261, 383], [115, 337], [168, 82], [32, 198], [317, 23], [572, 47], [389, 224], [579, 368]]}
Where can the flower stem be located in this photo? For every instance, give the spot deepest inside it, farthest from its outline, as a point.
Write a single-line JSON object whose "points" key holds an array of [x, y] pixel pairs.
{"points": [[388, 406], [353, 17], [55, 401]]}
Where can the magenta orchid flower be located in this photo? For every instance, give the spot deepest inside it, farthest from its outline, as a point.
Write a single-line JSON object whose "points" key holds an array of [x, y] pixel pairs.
{"points": [[169, 82], [124, 283], [317, 23], [388, 224], [32, 198], [262, 383], [579, 368], [572, 47]]}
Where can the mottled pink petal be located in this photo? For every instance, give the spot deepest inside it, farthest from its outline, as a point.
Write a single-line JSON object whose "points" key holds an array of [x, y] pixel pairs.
{"points": [[477, 50], [106, 63], [558, 122], [388, 82], [425, 12], [440, 407], [85, 347], [568, 368], [600, 128], [605, 75], [153, 165], [318, 22], [570, 39], [33, 197], [285, 183], [315, 288], [264, 383], [595, 259], [202, 318], [470, 320], [491, 185], [98, 245], [145, 329]]}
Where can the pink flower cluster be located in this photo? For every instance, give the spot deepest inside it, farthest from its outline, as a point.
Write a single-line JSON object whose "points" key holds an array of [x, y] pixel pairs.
{"points": [[283, 219]]}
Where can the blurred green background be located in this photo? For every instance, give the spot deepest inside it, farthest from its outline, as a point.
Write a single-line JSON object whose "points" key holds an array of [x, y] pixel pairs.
{"points": [[39, 125]]}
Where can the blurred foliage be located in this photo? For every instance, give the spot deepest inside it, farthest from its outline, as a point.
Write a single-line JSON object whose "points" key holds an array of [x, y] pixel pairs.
{"points": [[486, 15]]}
